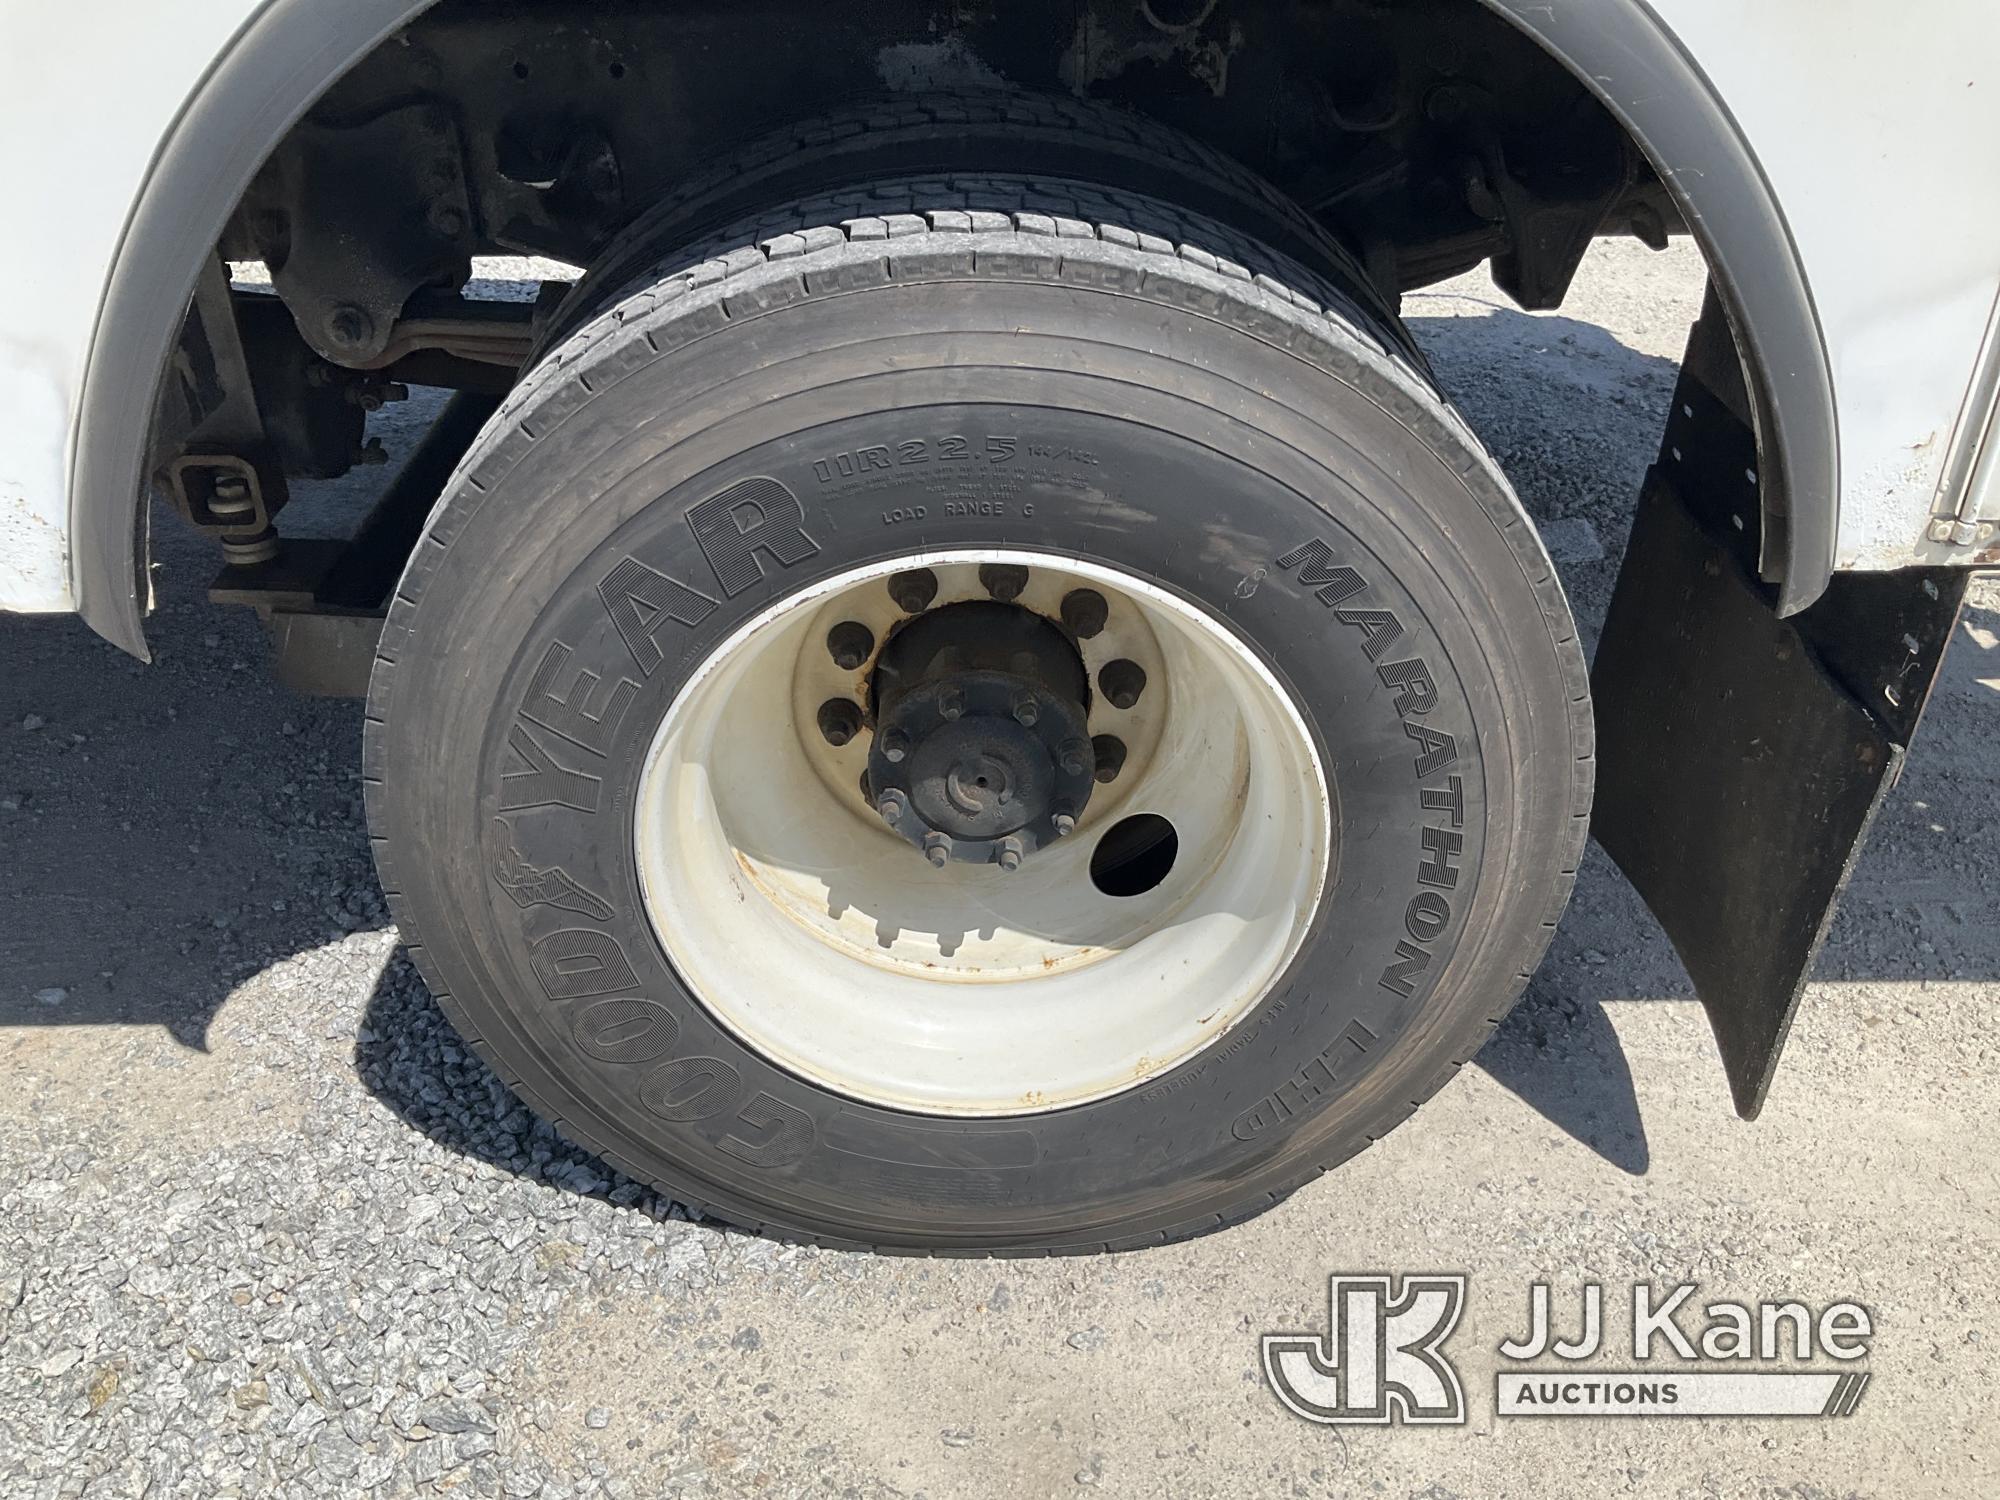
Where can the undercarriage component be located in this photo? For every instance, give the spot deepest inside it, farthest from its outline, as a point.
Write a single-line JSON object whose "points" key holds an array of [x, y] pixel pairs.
{"points": [[569, 119], [226, 475], [254, 407], [233, 497], [249, 408], [322, 601], [1744, 755], [313, 413], [496, 334], [1553, 194], [344, 267]]}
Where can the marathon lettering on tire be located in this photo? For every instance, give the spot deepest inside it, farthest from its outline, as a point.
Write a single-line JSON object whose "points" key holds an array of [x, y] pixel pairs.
{"points": [[1429, 910], [1331, 1070], [1441, 795]]}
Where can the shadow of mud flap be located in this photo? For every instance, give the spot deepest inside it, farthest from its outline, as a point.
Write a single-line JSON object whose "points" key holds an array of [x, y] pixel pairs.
{"points": [[1561, 1056]]}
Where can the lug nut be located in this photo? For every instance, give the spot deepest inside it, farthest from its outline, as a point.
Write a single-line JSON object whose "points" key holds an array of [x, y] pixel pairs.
{"points": [[1123, 681], [893, 805], [914, 590], [839, 720], [950, 702], [937, 849], [1008, 855], [1026, 710], [850, 644], [1084, 612], [1004, 581], [894, 745], [1074, 756], [1065, 820], [1110, 753]]}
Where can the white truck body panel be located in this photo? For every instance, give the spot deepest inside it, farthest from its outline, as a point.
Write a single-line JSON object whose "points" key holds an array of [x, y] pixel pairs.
{"points": [[87, 95], [1879, 130]]}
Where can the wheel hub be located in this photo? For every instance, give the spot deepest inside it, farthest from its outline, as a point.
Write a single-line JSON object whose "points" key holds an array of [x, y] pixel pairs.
{"points": [[982, 751]]}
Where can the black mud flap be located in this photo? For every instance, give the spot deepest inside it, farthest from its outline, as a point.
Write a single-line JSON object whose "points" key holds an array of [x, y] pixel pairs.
{"points": [[1743, 756]]}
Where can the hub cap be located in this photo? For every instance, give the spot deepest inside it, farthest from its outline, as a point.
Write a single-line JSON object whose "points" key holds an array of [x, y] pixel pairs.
{"points": [[982, 750], [982, 833]]}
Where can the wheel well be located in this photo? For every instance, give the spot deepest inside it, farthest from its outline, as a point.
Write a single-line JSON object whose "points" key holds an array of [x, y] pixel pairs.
{"points": [[1431, 137]]}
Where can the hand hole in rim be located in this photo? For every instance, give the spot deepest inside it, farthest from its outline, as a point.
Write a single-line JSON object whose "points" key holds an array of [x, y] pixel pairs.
{"points": [[1135, 855]]}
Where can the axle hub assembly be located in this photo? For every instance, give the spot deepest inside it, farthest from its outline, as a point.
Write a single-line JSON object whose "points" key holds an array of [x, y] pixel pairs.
{"points": [[982, 750]]}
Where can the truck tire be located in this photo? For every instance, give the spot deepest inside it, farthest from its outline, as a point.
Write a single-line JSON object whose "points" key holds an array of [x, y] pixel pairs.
{"points": [[975, 150], [979, 732]]}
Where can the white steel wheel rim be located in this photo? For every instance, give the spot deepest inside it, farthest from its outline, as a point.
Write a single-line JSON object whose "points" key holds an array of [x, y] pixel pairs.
{"points": [[826, 943]]}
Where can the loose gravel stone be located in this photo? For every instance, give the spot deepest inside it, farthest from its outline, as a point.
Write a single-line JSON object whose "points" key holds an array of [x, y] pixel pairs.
{"points": [[1572, 540]]}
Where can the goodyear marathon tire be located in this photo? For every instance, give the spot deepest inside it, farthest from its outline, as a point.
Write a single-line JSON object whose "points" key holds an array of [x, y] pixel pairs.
{"points": [[646, 878]]}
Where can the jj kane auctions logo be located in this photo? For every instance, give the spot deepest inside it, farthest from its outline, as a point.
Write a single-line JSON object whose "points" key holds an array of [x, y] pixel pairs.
{"points": [[1382, 1358]]}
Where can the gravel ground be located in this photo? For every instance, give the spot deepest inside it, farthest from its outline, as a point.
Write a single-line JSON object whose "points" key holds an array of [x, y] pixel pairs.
{"points": [[266, 1228]]}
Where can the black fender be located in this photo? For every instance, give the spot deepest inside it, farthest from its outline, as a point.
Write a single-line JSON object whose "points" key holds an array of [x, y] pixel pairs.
{"points": [[291, 51]]}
